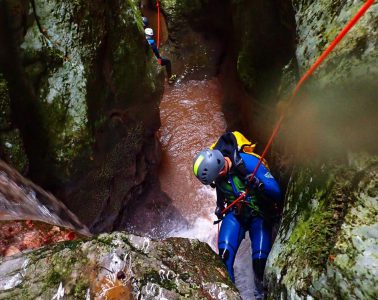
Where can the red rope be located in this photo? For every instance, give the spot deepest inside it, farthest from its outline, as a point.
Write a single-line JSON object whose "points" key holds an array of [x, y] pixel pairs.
{"points": [[158, 24], [311, 70]]}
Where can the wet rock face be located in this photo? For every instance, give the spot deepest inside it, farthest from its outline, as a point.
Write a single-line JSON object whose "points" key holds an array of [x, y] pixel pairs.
{"points": [[195, 41], [117, 266], [317, 26], [327, 243], [328, 238], [343, 88], [83, 96], [11, 146], [264, 39]]}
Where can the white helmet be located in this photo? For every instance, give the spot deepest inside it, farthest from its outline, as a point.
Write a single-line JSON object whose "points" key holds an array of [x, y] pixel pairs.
{"points": [[149, 31]]}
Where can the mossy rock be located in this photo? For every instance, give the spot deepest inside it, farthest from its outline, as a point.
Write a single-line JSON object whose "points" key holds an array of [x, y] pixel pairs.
{"points": [[263, 40], [327, 232], [118, 264], [11, 145], [92, 84]]}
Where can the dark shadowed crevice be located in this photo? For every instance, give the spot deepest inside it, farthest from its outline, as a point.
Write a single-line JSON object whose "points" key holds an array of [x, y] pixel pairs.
{"points": [[26, 112]]}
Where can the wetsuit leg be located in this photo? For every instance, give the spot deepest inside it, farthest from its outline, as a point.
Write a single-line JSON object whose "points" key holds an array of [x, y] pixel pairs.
{"points": [[259, 233], [230, 236], [168, 67]]}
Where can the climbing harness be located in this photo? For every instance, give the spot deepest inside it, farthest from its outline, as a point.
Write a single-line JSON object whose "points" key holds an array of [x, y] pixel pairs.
{"points": [[158, 24], [311, 70]]}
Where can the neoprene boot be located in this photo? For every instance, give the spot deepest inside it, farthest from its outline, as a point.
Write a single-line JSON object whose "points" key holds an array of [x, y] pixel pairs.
{"points": [[258, 268]]}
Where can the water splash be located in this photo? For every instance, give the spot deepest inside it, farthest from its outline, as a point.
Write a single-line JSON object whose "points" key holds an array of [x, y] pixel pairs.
{"points": [[20, 199]]}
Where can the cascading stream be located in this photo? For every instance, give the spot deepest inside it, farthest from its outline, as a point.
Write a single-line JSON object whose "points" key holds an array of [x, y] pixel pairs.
{"points": [[191, 120]]}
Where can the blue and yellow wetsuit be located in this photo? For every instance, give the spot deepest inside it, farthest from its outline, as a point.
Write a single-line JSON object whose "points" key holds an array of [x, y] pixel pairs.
{"points": [[248, 217]]}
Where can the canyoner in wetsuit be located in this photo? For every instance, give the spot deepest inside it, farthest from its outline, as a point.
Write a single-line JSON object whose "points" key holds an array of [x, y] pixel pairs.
{"points": [[227, 166], [162, 61]]}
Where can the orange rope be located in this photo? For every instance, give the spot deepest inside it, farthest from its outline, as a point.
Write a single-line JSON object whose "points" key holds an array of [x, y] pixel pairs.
{"points": [[340, 36], [158, 24]]}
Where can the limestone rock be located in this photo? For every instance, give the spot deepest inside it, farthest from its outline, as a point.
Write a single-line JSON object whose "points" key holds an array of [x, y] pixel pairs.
{"points": [[117, 266]]}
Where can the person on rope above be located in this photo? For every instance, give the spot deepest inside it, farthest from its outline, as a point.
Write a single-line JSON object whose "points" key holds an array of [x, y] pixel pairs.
{"points": [[145, 22], [227, 165], [162, 61]]}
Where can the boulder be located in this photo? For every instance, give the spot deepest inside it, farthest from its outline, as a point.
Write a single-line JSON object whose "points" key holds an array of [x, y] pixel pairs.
{"points": [[117, 266]]}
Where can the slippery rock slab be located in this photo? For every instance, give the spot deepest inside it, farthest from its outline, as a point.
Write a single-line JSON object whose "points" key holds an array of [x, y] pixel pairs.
{"points": [[117, 266]]}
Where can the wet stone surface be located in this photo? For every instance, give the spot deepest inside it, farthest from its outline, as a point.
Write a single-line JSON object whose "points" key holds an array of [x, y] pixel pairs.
{"points": [[117, 266]]}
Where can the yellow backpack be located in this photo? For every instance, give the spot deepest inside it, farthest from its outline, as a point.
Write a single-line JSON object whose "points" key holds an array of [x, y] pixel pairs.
{"points": [[227, 141]]}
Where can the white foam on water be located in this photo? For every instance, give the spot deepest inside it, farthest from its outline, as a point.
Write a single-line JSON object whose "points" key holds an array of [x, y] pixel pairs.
{"points": [[202, 229]]}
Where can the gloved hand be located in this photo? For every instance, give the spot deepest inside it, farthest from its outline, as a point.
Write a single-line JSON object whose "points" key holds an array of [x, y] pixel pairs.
{"points": [[218, 212], [159, 61], [255, 184]]}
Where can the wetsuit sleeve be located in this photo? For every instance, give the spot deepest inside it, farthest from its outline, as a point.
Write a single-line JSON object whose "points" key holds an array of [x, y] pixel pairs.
{"points": [[271, 187], [156, 51], [154, 48]]}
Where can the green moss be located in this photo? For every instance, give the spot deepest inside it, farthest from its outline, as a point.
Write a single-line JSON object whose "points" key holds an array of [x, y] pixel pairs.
{"points": [[154, 277], [4, 103], [54, 278], [14, 153], [183, 7], [258, 28], [106, 239], [80, 290], [313, 236], [11, 145], [71, 245], [246, 70], [317, 205]]}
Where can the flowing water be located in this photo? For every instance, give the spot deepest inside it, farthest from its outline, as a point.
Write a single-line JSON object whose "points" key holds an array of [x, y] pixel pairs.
{"points": [[30, 217], [20, 199], [192, 120]]}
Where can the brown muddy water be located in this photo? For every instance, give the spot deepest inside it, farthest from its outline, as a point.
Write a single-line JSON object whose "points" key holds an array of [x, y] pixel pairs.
{"points": [[191, 120]]}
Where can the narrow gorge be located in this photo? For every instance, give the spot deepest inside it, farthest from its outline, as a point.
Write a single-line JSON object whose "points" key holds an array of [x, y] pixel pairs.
{"points": [[97, 194]]}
